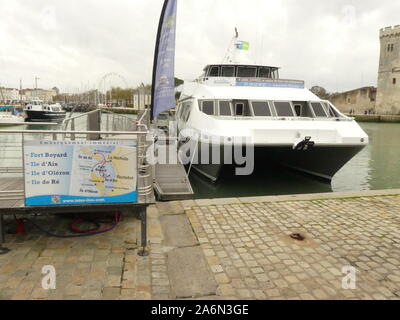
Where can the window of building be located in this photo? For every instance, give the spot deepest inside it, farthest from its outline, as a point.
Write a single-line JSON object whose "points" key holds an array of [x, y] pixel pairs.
{"points": [[208, 107], [247, 72], [261, 109], [225, 108], [227, 71], [284, 109], [394, 81], [214, 71]]}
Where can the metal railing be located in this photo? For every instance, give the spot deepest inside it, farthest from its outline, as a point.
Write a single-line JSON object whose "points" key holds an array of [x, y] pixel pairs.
{"points": [[11, 147], [113, 121]]}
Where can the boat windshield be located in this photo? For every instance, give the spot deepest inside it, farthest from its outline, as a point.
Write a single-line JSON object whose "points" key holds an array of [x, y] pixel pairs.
{"points": [[268, 109], [241, 71]]}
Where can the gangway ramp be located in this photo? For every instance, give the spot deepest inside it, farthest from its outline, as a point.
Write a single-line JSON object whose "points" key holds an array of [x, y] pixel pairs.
{"points": [[171, 180]]}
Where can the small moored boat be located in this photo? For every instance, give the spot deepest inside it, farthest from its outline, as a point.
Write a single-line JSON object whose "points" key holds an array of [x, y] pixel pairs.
{"points": [[37, 111]]}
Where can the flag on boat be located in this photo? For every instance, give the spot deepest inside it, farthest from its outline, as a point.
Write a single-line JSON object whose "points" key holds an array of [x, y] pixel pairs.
{"points": [[163, 87], [242, 45]]}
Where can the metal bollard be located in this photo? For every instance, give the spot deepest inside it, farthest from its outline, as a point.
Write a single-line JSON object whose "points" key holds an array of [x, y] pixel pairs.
{"points": [[144, 252]]}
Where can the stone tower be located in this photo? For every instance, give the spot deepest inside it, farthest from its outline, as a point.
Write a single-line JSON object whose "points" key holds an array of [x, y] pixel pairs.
{"points": [[388, 95]]}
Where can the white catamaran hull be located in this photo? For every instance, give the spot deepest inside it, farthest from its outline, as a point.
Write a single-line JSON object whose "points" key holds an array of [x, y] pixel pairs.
{"points": [[322, 162]]}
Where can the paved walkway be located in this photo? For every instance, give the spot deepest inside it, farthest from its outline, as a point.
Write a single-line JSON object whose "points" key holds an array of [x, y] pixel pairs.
{"points": [[249, 248], [105, 266], [245, 245]]}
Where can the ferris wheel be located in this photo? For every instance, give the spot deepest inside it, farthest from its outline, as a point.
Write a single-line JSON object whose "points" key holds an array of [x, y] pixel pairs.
{"points": [[107, 82]]}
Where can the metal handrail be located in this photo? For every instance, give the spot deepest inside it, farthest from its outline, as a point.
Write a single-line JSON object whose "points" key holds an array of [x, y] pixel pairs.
{"points": [[117, 114], [143, 115], [80, 115]]}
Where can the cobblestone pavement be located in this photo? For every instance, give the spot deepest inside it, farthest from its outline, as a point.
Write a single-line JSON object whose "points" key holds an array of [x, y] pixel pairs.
{"points": [[246, 244], [104, 266], [250, 251]]}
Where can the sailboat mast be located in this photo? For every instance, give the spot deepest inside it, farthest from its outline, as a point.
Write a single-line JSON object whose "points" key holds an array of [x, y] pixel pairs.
{"points": [[230, 56]]}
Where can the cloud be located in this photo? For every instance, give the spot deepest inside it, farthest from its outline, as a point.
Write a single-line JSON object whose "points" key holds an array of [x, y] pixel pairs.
{"points": [[70, 44]]}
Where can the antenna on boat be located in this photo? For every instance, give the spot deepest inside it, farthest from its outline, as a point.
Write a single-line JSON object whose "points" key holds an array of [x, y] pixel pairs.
{"points": [[230, 56], [234, 47]]}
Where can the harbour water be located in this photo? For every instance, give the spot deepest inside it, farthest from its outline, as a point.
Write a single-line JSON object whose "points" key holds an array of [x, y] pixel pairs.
{"points": [[376, 167]]}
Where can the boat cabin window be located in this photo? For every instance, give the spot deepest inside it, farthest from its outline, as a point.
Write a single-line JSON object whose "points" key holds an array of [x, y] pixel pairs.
{"points": [[284, 109], [302, 109], [214, 72], [319, 110], [227, 71], [187, 113], [264, 73], [242, 109], [247, 72], [239, 109], [331, 111], [208, 107], [225, 108], [261, 109], [179, 112], [186, 109]]}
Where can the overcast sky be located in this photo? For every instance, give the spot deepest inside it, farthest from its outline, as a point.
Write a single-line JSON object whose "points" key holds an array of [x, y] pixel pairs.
{"points": [[72, 44]]}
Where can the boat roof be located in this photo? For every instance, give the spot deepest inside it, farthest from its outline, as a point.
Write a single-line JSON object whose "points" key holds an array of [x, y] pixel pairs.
{"points": [[204, 91], [239, 65]]}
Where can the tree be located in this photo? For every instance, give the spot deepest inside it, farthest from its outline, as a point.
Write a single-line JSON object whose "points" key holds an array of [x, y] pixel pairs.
{"points": [[178, 82], [320, 92]]}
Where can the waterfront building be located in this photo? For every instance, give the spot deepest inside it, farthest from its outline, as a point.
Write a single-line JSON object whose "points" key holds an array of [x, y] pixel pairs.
{"points": [[358, 101], [41, 94], [9, 95], [385, 99], [388, 97], [141, 98]]}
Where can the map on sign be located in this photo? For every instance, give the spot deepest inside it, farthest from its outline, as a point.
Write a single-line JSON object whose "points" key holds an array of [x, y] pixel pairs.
{"points": [[105, 167], [75, 172]]}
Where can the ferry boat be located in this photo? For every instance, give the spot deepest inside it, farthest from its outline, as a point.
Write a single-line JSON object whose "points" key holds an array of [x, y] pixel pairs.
{"points": [[280, 120], [37, 111]]}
